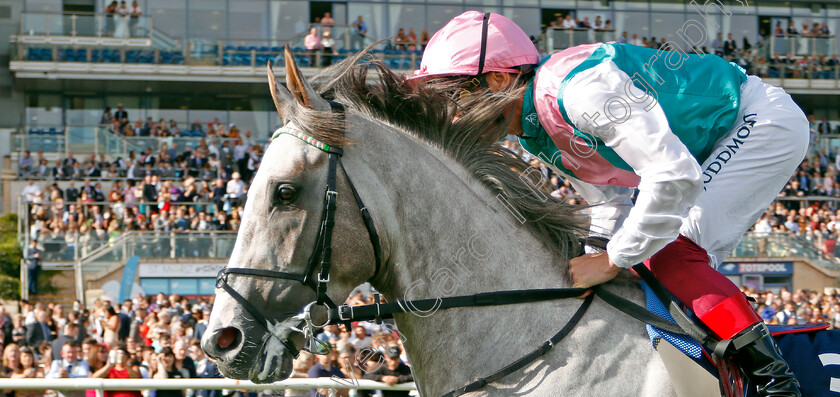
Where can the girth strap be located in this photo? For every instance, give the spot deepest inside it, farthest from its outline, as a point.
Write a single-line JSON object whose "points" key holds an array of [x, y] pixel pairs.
{"points": [[528, 358]]}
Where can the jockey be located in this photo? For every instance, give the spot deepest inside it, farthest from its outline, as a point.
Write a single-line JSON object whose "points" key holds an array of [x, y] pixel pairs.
{"points": [[707, 147]]}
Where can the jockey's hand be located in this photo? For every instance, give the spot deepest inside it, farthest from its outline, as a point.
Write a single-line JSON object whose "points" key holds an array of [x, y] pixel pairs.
{"points": [[592, 269]]}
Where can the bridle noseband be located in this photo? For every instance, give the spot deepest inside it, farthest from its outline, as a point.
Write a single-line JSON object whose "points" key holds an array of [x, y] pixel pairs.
{"points": [[321, 254]]}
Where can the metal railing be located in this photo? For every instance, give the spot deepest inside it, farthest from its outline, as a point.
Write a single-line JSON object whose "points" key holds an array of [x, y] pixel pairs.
{"points": [[803, 45], [63, 252], [558, 39], [100, 139], [777, 245], [60, 248], [83, 24], [195, 384]]}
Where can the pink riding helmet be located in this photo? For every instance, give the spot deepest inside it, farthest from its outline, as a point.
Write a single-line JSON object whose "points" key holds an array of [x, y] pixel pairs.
{"points": [[474, 43]]}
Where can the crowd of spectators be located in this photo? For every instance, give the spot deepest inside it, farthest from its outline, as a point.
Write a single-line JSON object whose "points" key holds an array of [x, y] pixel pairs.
{"points": [[197, 189], [158, 337], [798, 307], [808, 29], [121, 21], [145, 337], [569, 22], [119, 122]]}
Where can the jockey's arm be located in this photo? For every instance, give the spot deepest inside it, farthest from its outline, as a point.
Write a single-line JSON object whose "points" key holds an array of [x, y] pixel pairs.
{"points": [[670, 177], [609, 206]]}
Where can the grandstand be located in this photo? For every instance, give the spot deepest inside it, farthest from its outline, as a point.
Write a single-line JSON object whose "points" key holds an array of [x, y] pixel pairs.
{"points": [[128, 141]]}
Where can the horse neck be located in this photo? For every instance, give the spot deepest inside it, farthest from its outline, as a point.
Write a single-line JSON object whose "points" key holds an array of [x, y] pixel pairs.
{"points": [[447, 235]]}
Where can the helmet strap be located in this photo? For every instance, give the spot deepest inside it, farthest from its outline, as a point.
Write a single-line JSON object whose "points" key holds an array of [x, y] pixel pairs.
{"points": [[483, 53]]}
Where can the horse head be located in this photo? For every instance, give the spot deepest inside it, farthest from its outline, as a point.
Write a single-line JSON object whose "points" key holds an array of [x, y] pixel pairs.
{"points": [[255, 329]]}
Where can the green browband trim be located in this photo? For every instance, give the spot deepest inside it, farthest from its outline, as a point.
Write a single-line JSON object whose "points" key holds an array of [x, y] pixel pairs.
{"points": [[303, 137]]}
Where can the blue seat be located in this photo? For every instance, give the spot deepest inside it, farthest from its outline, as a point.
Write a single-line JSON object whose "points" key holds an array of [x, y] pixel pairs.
{"points": [[49, 145], [277, 49]]}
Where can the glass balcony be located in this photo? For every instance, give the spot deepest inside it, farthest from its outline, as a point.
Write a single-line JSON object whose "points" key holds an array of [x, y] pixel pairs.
{"points": [[778, 245], [797, 45], [79, 24]]}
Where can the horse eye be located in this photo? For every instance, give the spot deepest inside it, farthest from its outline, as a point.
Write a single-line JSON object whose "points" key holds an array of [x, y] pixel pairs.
{"points": [[286, 193]]}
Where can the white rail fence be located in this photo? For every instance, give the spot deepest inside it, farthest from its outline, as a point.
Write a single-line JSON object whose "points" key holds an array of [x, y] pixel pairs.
{"points": [[204, 384]]}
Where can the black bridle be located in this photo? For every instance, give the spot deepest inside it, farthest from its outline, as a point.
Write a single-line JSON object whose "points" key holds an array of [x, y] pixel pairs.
{"points": [[322, 253], [345, 314]]}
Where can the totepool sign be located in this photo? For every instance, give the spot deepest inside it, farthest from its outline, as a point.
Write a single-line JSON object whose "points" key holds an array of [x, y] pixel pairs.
{"points": [[756, 268]]}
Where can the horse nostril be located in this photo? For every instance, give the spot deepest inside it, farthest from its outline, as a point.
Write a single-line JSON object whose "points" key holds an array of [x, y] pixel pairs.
{"points": [[227, 337]]}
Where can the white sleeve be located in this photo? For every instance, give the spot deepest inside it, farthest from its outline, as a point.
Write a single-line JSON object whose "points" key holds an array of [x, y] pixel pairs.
{"points": [[670, 177], [609, 205]]}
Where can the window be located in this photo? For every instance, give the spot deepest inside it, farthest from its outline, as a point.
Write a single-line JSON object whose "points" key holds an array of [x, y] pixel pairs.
{"points": [[169, 16], [207, 20], [440, 15], [248, 19], [287, 19], [181, 286]]}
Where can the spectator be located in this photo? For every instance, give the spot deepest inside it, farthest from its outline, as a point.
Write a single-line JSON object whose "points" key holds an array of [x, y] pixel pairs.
{"points": [[569, 23], [121, 18], [182, 361], [360, 338], [11, 359], [111, 326], [28, 369], [328, 47], [412, 40], [110, 12], [120, 113], [26, 164], [135, 12], [119, 366], [327, 21], [204, 369], [300, 368], [69, 367], [401, 40], [312, 42], [33, 265], [359, 31], [791, 29], [236, 189], [6, 327], [40, 330], [729, 46], [31, 191], [393, 372], [623, 39], [70, 333], [166, 369], [326, 367]]}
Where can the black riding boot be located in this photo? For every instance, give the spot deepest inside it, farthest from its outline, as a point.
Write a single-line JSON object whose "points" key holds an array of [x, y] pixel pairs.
{"points": [[764, 366]]}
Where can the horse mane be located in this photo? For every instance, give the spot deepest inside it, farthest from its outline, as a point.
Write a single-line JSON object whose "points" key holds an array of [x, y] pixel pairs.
{"points": [[427, 111]]}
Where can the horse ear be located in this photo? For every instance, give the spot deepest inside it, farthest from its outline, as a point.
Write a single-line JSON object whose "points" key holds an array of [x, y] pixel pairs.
{"points": [[299, 87], [279, 93]]}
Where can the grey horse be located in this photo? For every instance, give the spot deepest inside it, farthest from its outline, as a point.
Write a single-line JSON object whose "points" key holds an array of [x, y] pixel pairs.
{"points": [[456, 214]]}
